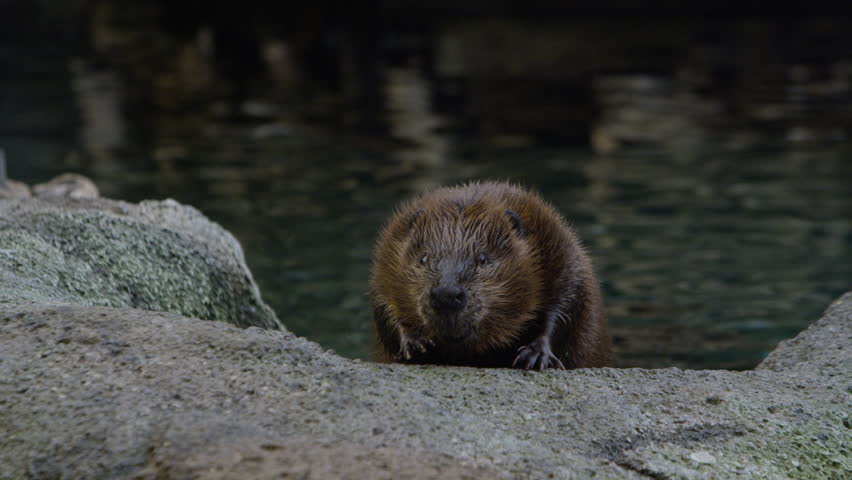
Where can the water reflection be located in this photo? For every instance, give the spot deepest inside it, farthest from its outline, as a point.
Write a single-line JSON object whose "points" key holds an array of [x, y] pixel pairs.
{"points": [[412, 120], [98, 95], [705, 262], [647, 110]]}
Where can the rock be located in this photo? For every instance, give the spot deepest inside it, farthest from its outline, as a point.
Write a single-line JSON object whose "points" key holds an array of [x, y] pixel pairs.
{"points": [[702, 457], [155, 255], [249, 458], [96, 392], [92, 391], [13, 189], [820, 347], [10, 188], [69, 185]]}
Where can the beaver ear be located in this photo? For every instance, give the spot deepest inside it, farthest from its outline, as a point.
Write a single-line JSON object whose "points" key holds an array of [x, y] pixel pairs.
{"points": [[414, 218], [517, 223]]}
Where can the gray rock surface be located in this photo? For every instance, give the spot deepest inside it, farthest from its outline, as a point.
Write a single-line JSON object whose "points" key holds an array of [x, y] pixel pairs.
{"points": [[92, 391], [13, 189], [69, 185], [95, 392], [157, 255], [822, 348]]}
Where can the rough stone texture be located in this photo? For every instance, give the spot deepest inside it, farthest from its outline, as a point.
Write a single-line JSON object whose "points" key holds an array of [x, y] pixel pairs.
{"points": [[13, 189], [89, 391], [69, 185], [157, 255], [820, 348], [94, 392]]}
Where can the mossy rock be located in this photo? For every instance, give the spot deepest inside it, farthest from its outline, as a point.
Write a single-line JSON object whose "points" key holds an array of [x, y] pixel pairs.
{"points": [[159, 256]]}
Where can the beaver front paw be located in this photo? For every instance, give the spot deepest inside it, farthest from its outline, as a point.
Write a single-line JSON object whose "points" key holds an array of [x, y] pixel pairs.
{"points": [[537, 356], [411, 345]]}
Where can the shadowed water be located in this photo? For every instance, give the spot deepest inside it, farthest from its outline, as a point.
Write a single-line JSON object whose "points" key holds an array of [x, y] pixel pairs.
{"points": [[705, 262]]}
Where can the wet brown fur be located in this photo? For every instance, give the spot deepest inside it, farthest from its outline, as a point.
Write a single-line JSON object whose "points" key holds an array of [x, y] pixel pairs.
{"points": [[536, 270]]}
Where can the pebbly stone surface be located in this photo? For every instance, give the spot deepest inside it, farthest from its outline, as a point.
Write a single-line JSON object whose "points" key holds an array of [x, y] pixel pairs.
{"points": [[98, 392], [157, 255]]}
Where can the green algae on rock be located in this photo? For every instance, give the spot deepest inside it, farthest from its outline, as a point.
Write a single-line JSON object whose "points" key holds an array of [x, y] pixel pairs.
{"points": [[157, 255]]}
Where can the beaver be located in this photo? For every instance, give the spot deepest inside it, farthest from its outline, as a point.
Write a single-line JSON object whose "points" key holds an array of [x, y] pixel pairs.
{"points": [[485, 274]]}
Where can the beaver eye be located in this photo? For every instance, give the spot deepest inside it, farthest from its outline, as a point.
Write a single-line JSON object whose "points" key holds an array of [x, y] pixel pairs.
{"points": [[424, 259], [483, 259]]}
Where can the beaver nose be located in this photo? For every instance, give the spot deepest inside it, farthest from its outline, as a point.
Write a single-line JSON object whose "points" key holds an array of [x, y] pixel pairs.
{"points": [[448, 298]]}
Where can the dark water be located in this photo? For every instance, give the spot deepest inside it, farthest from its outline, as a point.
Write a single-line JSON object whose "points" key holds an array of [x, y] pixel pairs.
{"points": [[716, 230]]}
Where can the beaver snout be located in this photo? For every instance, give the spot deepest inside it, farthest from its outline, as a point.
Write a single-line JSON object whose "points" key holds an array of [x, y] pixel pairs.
{"points": [[448, 298]]}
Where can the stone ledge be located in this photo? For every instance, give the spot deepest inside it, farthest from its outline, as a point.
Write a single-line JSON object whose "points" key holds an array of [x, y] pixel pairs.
{"points": [[90, 391], [101, 392]]}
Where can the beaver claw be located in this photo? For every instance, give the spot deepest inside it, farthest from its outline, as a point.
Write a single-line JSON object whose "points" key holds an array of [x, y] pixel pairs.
{"points": [[410, 346], [537, 356]]}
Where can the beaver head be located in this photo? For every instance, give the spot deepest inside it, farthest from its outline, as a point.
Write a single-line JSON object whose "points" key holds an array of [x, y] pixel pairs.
{"points": [[459, 273]]}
